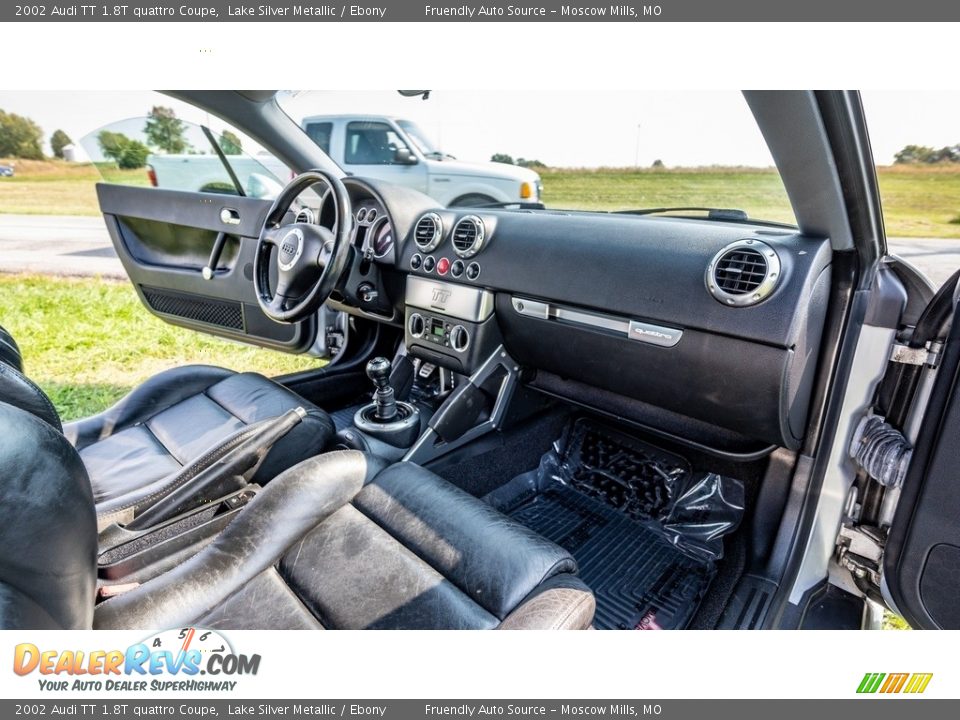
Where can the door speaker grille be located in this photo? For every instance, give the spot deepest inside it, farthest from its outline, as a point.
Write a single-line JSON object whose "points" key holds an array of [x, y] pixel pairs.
{"points": [[222, 313]]}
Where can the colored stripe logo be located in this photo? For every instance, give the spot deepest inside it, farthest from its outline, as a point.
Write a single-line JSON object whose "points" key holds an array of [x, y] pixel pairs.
{"points": [[890, 683]]}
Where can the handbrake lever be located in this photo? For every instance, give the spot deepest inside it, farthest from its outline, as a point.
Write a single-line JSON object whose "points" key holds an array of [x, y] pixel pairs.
{"points": [[229, 473]]}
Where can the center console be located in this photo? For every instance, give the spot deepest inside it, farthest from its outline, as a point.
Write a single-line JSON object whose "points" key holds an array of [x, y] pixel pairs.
{"points": [[449, 324]]}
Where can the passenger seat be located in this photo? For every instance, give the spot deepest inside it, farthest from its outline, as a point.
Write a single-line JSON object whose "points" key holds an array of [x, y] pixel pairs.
{"points": [[338, 541]]}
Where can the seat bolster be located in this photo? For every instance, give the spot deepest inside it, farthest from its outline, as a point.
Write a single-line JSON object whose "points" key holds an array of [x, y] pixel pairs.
{"points": [[494, 560], [159, 393], [20, 391], [281, 514], [563, 602], [10, 351]]}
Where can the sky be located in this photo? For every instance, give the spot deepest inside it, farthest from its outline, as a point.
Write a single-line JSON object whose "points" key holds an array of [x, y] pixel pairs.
{"points": [[575, 128]]}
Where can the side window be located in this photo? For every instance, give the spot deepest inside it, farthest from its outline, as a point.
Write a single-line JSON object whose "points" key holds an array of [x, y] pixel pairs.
{"points": [[319, 132], [161, 150], [372, 143]]}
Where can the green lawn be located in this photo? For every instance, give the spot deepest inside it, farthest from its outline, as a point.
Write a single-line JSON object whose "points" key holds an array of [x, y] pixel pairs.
{"points": [[917, 201], [87, 342], [52, 187]]}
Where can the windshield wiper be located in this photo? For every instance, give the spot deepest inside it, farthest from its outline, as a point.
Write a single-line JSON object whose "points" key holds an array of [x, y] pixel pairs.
{"points": [[712, 213]]}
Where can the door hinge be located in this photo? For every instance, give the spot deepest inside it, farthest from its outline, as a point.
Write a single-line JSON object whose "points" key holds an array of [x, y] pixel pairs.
{"points": [[860, 551], [929, 355]]}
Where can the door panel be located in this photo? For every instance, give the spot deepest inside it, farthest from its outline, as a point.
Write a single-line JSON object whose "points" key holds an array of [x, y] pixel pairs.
{"points": [[922, 558], [164, 239]]}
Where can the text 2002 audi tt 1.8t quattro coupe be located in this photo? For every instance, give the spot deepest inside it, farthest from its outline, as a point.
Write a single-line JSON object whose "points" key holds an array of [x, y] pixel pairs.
{"points": [[531, 417]]}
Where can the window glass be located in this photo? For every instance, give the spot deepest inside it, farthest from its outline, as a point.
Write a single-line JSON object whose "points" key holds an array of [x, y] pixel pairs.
{"points": [[576, 149], [319, 132], [371, 143], [419, 138], [162, 149]]}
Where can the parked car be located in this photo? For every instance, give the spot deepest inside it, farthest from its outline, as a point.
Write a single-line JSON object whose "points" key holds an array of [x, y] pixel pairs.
{"points": [[6, 170], [531, 418], [399, 151]]}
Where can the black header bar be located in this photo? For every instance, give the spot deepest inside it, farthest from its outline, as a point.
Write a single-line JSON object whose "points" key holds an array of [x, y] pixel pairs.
{"points": [[854, 11]]}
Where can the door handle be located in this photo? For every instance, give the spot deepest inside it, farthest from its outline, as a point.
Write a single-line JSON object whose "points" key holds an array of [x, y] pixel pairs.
{"points": [[211, 267], [229, 216]]}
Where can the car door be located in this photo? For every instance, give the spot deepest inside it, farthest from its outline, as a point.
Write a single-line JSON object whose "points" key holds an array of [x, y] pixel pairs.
{"points": [[185, 226], [376, 149], [922, 557]]}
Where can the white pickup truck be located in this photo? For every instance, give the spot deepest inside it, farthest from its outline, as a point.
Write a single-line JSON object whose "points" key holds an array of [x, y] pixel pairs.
{"points": [[398, 151], [373, 146]]}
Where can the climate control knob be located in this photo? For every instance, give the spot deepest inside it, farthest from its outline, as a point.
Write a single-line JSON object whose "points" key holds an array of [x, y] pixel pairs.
{"points": [[416, 325], [459, 338]]}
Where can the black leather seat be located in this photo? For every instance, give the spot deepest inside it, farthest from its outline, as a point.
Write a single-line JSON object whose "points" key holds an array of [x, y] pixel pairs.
{"points": [[338, 541], [156, 434]]}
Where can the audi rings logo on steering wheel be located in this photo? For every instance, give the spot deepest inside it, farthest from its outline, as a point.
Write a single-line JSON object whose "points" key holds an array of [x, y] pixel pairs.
{"points": [[291, 247]]}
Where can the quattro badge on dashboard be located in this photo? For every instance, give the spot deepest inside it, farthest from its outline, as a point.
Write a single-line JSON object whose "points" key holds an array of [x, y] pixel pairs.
{"points": [[654, 334]]}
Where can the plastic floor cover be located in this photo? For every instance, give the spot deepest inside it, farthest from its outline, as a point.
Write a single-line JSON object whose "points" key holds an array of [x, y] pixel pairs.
{"points": [[646, 532]]}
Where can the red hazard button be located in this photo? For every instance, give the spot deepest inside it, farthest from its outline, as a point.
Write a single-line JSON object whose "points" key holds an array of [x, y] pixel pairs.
{"points": [[443, 266]]}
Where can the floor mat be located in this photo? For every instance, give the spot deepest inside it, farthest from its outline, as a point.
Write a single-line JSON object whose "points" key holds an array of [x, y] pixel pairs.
{"points": [[639, 579], [646, 530]]}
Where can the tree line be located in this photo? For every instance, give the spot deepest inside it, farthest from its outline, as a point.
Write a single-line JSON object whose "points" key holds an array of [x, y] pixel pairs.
{"points": [[917, 154], [22, 138]]}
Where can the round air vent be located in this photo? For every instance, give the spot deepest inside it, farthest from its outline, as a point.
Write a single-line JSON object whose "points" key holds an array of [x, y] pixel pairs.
{"points": [[468, 236], [428, 232], [743, 273], [307, 216]]}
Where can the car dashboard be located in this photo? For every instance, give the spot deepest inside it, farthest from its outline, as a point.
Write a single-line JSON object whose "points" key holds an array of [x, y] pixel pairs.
{"points": [[712, 324]]}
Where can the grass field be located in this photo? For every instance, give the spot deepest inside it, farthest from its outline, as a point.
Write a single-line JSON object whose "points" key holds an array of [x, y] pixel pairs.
{"points": [[87, 342], [50, 187], [918, 201]]}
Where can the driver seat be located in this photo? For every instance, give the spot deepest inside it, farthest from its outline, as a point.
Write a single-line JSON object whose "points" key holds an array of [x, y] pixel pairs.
{"points": [[169, 428]]}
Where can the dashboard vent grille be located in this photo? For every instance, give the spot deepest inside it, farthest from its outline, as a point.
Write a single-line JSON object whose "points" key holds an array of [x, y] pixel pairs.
{"points": [[468, 236], [740, 271], [743, 273], [428, 232]]}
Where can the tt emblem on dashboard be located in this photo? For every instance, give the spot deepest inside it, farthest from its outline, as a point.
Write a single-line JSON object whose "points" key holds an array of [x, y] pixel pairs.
{"points": [[440, 295]]}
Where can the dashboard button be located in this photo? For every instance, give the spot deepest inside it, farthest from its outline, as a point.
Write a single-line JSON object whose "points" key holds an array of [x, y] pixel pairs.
{"points": [[416, 261], [473, 271], [429, 263], [457, 268], [443, 266]]}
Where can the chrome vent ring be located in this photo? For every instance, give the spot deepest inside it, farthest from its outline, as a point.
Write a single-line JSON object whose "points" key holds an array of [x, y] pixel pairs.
{"points": [[469, 235], [428, 232], [743, 273]]}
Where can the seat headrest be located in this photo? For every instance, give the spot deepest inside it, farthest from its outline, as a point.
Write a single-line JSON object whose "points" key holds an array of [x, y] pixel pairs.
{"points": [[48, 528]]}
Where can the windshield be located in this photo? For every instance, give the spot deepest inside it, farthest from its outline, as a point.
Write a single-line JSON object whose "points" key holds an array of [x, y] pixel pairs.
{"points": [[419, 138], [593, 150]]}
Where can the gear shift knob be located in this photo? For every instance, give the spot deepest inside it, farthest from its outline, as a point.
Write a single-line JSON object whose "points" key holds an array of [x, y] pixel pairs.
{"points": [[378, 370]]}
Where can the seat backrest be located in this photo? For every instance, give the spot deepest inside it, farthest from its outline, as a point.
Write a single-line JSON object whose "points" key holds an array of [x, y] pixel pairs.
{"points": [[48, 527], [17, 389]]}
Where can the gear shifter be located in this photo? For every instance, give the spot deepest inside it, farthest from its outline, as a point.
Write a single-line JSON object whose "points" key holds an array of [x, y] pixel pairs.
{"points": [[378, 370], [387, 419]]}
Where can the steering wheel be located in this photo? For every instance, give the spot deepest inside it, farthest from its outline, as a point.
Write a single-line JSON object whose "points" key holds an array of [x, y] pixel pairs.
{"points": [[309, 259]]}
